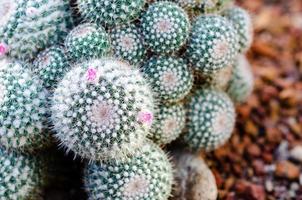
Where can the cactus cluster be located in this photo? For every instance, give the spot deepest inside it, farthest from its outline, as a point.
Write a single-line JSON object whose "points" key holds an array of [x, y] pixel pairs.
{"points": [[133, 76]]}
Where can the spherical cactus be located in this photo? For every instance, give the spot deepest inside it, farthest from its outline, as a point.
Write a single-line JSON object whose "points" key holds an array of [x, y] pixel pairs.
{"points": [[51, 65], [110, 12], [210, 119], [242, 81], [21, 176], [165, 27], [204, 6], [145, 176], [102, 109], [128, 44], [213, 44], [170, 77], [87, 41], [27, 26], [168, 124], [23, 103], [243, 23]]}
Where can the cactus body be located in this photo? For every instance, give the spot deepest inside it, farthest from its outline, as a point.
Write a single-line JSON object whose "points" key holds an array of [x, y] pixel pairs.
{"points": [[213, 44], [211, 119], [145, 176], [170, 77], [165, 27], [243, 23], [242, 81], [51, 65], [21, 176], [204, 6], [110, 12], [23, 105], [102, 109], [128, 44], [87, 41], [27, 26], [168, 124]]}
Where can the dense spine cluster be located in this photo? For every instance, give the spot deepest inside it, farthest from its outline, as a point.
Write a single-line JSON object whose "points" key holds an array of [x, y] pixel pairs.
{"points": [[28, 26], [147, 175], [23, 105]]}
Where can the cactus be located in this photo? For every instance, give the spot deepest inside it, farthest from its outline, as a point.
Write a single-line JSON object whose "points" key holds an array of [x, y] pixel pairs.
{"points": [[51, 65], [213, 44], [128, 44], [23, 104], [27, 26], [165, 27], [102, 109], [168, 124], [204, 6], [145, 176], [110, 12], [21, 176], [242, 81], [210, 119], [170, 77], [243, 23], [87, 41]]}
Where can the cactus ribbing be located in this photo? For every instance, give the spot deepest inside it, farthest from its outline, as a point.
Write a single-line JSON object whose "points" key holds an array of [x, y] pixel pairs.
{"points": [[170, 77], [243, 23], [51, 65], [27, 26], [168, 124], [242, 81], [23, 106], [210, 119], [87, 41], [147, 175], [21, 176], [110, 12], [128, 44], [102, 109], [213, 44], [165, 27]]}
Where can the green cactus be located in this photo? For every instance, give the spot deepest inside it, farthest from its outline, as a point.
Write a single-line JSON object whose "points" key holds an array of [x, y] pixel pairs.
{"points": [[242, 81], [102, 109], [165, 27], [128, 44], [21, 176], [147, 175], [28, 26], [87, 41], [23, 103], [243, 23], [213, 44], [110, 12], [170, 77], [51, 65], [204, 6], [210, 119], [168, 123]]}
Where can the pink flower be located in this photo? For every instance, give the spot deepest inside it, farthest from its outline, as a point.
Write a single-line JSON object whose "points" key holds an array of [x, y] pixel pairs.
{"points": [[3, 49], [91, 74], [145, 117]]}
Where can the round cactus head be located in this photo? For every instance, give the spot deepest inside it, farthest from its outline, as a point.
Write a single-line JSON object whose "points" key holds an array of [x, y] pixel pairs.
{"points": [[28, 26], [210, 119], [242, 21], [23, 103], [128, 44], [242, 81], [165, 27], [213, 44], [147, 175], [51, 65], [87, 41], [170, 77], [168, 124], [102, 109], [110, 12], [21, 176]]}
